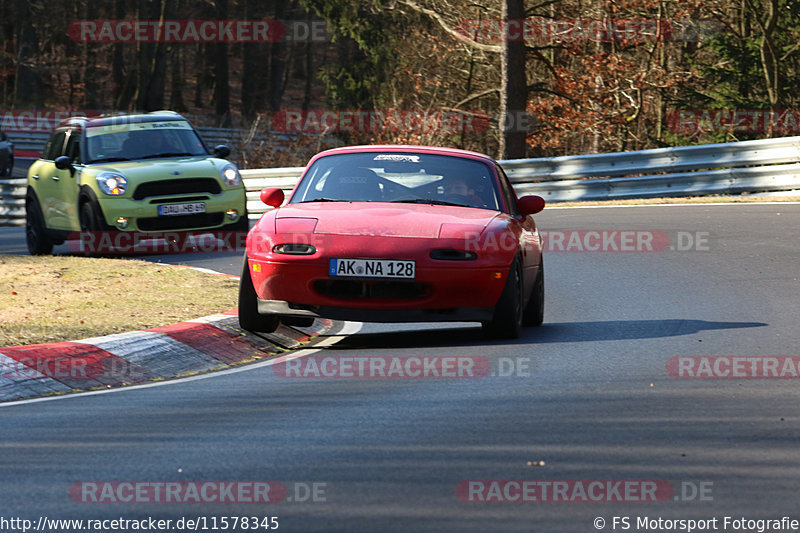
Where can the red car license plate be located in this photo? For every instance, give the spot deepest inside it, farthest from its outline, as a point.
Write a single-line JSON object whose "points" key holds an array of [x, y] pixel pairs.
{"points": [[372, 268]]}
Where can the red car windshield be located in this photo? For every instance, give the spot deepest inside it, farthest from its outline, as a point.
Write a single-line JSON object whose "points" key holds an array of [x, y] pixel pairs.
{"points": [[399, 177]]}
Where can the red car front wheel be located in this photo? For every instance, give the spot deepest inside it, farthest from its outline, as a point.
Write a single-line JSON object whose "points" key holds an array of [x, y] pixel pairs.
{"points": [[249, 317], [507, 320]]}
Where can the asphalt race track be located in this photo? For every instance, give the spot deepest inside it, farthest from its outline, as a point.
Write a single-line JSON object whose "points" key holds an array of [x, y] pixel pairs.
{"points": [[584, 408]]}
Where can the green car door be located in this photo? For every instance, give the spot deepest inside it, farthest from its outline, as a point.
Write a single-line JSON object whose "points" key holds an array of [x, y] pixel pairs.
{"points": [[57, 188]]}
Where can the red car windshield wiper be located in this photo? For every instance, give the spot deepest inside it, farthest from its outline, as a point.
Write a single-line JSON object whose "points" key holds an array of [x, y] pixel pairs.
{"points": [[322, 200], [427, 201]]}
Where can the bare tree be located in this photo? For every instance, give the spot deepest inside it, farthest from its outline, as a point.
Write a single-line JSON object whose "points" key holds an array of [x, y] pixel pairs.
{"points": [[514, 92], [28, 91]]}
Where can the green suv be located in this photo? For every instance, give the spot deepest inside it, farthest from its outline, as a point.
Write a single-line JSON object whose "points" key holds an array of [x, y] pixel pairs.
{"points": [[146, 173]]}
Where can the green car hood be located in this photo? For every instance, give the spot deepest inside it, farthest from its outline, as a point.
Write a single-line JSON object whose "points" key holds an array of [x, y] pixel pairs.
{"points": [[174, 167]]}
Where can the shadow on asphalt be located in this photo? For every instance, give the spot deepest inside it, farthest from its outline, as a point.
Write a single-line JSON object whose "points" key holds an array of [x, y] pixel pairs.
{"points": [[601, 330], [619, 330]]}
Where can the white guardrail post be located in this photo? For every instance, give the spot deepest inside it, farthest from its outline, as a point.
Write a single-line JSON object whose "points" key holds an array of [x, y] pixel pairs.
{"points": [[708, 169]]}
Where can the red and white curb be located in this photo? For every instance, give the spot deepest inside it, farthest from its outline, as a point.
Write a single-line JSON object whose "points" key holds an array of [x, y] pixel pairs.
{"points": [[186, 348]]}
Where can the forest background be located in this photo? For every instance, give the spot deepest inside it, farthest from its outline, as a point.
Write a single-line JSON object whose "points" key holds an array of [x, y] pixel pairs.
{"points": [[510, 78]]}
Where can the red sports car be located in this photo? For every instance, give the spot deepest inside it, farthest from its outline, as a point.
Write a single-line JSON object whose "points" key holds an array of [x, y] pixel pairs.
{"points": [[396, 234]]}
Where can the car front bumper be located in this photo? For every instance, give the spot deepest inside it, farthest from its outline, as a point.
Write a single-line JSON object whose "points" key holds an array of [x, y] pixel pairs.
{"points": [[459, 314], [142, 215], [305, 288]]}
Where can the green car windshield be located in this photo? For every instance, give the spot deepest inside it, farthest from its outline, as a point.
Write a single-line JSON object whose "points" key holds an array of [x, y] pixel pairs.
{"points": [[129, 141]]}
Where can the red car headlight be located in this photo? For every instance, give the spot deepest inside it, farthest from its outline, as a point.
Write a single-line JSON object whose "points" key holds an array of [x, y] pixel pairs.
{"points": [[447, 254]]}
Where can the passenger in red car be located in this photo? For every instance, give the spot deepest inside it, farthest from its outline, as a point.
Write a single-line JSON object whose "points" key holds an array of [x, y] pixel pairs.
{"points": [[459, 190]]}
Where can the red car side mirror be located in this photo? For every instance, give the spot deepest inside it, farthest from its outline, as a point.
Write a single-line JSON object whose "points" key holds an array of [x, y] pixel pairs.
{"points": [[530, 205], [272, 196]]}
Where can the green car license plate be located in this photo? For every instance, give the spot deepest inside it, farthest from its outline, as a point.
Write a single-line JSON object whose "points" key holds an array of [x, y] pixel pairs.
{"points": [[182, 209]]}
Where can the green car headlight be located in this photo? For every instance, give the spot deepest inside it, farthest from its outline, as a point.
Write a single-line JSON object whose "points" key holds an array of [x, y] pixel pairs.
{"points": [[112, 184], [231, 175]]}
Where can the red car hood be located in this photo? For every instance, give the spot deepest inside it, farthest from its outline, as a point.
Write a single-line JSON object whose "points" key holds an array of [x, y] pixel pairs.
{"points": [[382, 219]]}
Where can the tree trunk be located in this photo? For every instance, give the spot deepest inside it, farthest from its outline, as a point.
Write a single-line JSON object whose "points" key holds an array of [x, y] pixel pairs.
{"points": [[122, 88], [514, 92], [176, 101], [309, 75], [769, 58], [277, 65], [222, 92], [152, 62], [92, 98], [28, 77], [255, 66]]}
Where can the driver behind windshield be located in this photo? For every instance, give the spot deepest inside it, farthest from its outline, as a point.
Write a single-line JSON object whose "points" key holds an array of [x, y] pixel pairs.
{"points": [[146, 143], [459, 190]]}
